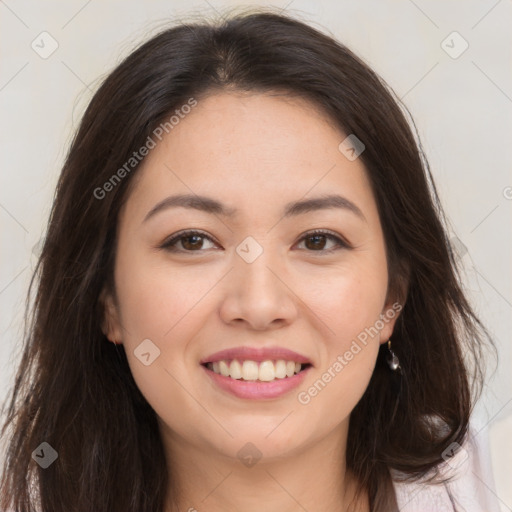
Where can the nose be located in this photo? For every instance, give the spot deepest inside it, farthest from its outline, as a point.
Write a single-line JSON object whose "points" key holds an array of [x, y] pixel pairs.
{"points": [[258, 294]]}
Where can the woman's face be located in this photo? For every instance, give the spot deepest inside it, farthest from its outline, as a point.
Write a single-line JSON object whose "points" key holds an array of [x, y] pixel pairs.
{"points": [[252, 282]]}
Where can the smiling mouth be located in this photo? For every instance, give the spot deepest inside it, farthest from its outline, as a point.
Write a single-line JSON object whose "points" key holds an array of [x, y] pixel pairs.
{"points": [[264, 371]]}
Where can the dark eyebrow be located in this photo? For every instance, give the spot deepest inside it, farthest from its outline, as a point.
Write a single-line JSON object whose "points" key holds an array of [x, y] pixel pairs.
{"points": [[212, 206], [195, 202], [322, 203]]}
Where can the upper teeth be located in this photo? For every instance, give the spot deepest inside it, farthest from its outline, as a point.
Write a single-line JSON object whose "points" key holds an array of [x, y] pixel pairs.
{"points": [[252, 370]]}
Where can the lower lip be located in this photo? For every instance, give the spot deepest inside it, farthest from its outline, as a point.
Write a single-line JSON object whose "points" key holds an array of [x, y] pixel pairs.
{"points": [[255, 389]]}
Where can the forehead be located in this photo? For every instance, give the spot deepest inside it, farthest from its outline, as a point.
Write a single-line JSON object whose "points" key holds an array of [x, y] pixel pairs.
{"points": [[262, 128], [251, 150]]}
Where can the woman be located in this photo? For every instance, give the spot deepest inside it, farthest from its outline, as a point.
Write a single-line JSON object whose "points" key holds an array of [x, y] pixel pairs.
{"points": [[246, 294]]}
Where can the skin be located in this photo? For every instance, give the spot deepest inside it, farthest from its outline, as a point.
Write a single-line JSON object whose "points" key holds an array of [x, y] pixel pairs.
{"points": [[255, 152]]}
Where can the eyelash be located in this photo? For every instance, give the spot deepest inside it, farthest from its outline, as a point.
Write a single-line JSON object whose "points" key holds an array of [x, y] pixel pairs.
{"points": [[169, 244]]}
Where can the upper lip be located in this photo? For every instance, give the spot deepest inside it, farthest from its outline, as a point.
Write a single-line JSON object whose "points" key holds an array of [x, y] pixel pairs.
{"points": [[256, 354]]}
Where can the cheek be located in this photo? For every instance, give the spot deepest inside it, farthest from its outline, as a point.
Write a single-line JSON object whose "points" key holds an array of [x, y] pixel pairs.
{"points": [[330, 398], [350, 308], [157, 299], [349, 303], [167, 306], [161, 305], [350, 299]]}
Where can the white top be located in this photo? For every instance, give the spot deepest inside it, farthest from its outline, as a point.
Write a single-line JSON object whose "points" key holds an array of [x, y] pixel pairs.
{"points": [[471, 486]]}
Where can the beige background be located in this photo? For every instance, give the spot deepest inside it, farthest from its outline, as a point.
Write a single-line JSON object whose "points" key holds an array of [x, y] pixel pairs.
{"points": [[462, 107]]}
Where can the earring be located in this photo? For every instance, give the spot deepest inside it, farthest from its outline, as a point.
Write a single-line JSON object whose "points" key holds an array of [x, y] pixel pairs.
{"points": [[392, 359]]}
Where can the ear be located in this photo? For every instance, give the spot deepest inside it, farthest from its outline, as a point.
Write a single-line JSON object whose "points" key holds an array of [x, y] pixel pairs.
{"points": [[388, 317], [395, 302], [110, 325]]}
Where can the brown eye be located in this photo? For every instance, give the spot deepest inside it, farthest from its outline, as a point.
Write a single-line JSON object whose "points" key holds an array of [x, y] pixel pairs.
{"points": [[318, 240], [190, 241]]}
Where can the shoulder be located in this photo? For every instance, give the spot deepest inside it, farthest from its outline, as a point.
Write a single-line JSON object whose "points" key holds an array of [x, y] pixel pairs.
{"points": [[419, 497], [469, 487]]}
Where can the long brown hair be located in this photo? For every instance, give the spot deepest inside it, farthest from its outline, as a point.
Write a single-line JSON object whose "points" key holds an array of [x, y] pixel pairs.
{"points": [[74, 390]]}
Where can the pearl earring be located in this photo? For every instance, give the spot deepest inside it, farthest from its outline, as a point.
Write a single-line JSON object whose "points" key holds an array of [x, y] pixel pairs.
{"points": [[392, 359]]}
